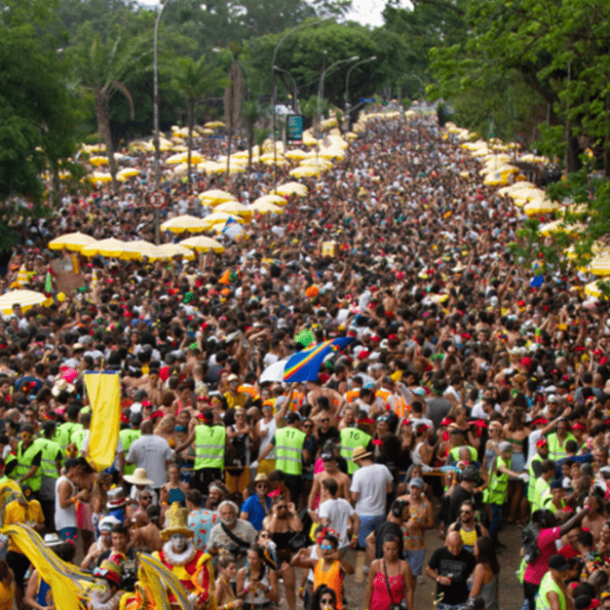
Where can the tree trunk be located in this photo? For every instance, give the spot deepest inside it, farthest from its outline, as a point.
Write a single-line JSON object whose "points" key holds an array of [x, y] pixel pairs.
{"points": [[103, 125], [190, 114], [229, 138], [251, 124]]}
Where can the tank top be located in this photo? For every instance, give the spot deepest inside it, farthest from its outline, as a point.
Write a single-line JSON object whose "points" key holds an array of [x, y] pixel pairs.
{"points": [[380, 599], [64, 517], [489, 593], [269, 430], [332, 578], [176, 495], [282, 539], [260, 597]]}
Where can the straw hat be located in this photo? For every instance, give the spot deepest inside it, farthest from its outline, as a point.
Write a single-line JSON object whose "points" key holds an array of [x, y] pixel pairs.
{"points": [[139, 477], [360, 453], [61, 386], [175, 520]]}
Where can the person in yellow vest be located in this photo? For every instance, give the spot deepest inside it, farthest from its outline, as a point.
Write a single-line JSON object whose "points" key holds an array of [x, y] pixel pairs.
{"points": [[78, 436], [129, 435], [210, 444], [542, 485], [553, 593], [29, 458], [558, 439], [50, 469], [289, 453], [498, 488], [350, 439], [553, 500]]}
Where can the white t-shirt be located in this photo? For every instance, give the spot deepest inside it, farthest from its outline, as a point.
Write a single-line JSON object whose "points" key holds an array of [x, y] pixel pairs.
{"points": [[371, 483], [337, 511], [151, 452], [532, 439]]}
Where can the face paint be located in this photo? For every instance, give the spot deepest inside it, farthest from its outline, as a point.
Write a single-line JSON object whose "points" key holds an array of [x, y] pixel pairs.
{"points": [[178, 542]]}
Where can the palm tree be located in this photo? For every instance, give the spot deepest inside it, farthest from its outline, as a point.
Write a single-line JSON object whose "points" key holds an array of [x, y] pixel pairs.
{"points": [[101, 69], [194, 80], [234, 97]]}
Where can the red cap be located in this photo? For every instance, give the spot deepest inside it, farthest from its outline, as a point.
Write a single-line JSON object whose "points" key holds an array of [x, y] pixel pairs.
{"points": [[157, 414], [578, 426], [146, 403], [364, 354], [447, 420], [124, 419], [540, 420], [526, 362], [598, 352]]}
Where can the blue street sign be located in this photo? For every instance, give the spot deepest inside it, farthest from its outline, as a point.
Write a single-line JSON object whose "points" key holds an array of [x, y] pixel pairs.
{"points": [[367, 100]]}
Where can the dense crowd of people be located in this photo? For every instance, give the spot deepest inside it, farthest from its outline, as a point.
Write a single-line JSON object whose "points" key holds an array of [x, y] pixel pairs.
{"points": [[467, 400]]}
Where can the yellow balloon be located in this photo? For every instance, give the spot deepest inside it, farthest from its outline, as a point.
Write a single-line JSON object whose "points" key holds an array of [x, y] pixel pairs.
{"points": [[61, 297]]}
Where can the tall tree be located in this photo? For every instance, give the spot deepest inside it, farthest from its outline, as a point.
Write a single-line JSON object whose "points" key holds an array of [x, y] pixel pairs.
{"points": [[194, 80], [234, 97], [102, 68]]}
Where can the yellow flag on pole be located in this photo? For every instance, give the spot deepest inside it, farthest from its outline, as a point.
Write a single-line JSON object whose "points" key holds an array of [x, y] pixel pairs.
{"points": [[104, 393]]}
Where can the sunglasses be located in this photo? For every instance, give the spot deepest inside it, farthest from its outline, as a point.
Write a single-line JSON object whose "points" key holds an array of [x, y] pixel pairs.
{"points": [[26, 437], [146, 497], [383, 418], [281, 507], [326, 547], [324, 421], [466, 512]]}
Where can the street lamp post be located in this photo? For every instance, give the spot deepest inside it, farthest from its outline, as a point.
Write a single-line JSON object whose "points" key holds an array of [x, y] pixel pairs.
{"points": [[277, 46], [295, 99], [325, 71], [347, 104], [156, 116]]}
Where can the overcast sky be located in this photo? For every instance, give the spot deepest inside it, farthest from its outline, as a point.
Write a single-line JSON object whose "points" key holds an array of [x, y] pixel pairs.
{"points": [[367, 12]]}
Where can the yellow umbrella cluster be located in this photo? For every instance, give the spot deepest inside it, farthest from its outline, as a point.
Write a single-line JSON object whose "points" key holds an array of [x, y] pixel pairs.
{"points": [[214, 197], [113, 248], [291, 188], [235, 208], [203, 244], [272, 198], [262, 207], [72, 241], [540, 207], [600, 265]]}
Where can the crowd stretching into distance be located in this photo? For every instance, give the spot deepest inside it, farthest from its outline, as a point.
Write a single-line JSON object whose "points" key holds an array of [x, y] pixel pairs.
{"points": [[469, 401]]}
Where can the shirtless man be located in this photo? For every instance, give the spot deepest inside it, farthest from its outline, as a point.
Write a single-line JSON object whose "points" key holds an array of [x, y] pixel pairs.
{"points": [[148, 531], [331, 471], [335, 400], [594, 521]]}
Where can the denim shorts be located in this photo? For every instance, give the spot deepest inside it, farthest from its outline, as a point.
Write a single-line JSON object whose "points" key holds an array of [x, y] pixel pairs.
{"points": [[368, 525], [416, 560]]}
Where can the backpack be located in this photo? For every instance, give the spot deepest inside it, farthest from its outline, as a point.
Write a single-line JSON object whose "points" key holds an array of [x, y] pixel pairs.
{"points": [[529, 539]]}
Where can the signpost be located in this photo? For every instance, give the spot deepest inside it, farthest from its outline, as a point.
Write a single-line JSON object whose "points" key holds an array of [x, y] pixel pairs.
{"points": [[294, 128], [157, 200], [367, 100]]}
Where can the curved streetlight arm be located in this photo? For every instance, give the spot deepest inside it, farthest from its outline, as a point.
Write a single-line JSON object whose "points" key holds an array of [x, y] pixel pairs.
{"points": [[325, 72], [362, 61]]}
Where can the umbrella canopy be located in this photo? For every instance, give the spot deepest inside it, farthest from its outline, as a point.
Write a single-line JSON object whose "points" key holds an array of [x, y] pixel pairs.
{"points": [[183, 223], [593, 290], [25, 298], [320, 163], [271, 198], [215, 196], [203, 244], [98, 161], [307, 170], [292, 188], [542, 206], [100, 177], [265, 208], [560, 226], [600, 265], [166, 252], [296, 153], [220, 217], [113, 248], [214, 124], [235, 208], [128, 172], [72, 241], [211, 167]]}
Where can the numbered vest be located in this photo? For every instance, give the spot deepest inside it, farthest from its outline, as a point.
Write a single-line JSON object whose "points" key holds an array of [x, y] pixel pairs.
{"points": [[210, 444], [350, 439], [289, 450], [48, 462], [24, 463]]}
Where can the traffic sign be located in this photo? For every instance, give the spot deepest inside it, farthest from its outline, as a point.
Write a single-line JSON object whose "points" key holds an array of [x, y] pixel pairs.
{"points": [[367, 100], [294, 128], [157, 200]]}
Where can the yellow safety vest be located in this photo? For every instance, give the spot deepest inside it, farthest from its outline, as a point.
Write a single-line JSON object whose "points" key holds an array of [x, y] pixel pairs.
{"points": [[289, 450], [48, 462], [210, 444], [350, 439], [127, 438], [24, 463]]}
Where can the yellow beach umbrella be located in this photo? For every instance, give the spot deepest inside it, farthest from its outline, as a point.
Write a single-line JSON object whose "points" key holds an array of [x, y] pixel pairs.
{"points": [[600, 265], [211, 167], [320, 163], [97, 160], [72, 241], [215, 196], [305, 170], [593, 290], [560, 226], [183, 223], [220, 217], [100, 177], [128, 172], [292, 188], [201, 243], [296, 153], [541, 206], [271, 198], [25, 298], [167, 252], [235, 208], [113, 248], [214, 124], [264, 207]]}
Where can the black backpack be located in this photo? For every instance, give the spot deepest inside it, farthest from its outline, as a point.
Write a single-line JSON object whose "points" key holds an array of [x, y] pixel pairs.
{"points": [[529, 539]]}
